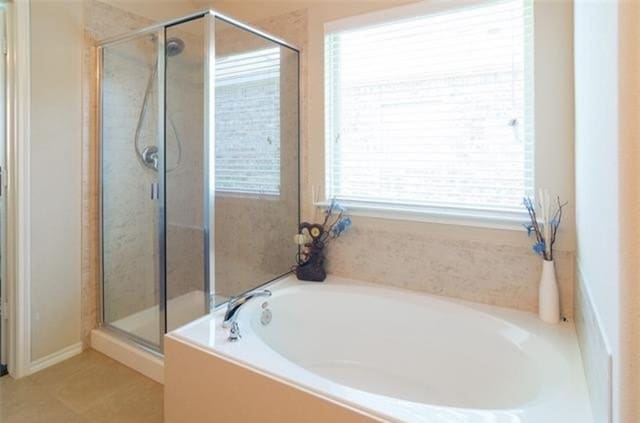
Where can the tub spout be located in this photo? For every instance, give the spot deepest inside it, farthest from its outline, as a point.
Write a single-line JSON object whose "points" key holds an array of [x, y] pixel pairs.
{"points": [[233, 308]]}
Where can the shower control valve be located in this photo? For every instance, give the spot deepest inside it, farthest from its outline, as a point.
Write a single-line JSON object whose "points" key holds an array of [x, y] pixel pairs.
{"points": [[150, 157]]}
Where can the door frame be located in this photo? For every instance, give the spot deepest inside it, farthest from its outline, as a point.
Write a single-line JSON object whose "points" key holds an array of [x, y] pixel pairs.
{"points": [[17, 188], [4, 313]]}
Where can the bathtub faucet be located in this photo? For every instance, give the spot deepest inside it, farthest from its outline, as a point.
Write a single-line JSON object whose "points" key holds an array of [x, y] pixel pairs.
{"points": [[233, 308]]}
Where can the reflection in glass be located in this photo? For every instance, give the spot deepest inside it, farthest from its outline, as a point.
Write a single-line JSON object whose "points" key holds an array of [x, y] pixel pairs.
{"points": [[256, 131]]}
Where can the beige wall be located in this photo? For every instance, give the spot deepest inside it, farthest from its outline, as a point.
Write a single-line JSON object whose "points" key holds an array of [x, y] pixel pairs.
{"points": [[607, 157], [56, 62], [630, 210]]}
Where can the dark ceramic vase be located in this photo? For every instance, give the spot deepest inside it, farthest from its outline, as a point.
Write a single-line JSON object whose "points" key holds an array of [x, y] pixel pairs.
{"points": [[313, 268]]}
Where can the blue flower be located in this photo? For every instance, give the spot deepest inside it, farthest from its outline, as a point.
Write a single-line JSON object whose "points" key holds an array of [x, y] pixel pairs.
{"points": [[341, 226], [539, 247], [529, 228]]}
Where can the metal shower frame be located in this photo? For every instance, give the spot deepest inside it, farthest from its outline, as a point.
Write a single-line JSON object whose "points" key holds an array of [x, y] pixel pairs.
{"points": [[160, 30]]}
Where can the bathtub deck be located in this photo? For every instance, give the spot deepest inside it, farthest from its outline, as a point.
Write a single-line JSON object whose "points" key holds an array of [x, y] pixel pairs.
{"points": [[295, 351]]}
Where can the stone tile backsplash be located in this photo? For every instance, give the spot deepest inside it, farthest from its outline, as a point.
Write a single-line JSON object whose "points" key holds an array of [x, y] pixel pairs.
{"points": [[483, 271]]}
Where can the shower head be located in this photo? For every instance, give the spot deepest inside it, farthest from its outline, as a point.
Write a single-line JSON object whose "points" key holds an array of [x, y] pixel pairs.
{"points": [[174, 46]]}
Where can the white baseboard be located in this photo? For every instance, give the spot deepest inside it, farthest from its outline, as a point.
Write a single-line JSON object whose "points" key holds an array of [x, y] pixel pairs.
{"points": [[141, 361], [55, 358]]}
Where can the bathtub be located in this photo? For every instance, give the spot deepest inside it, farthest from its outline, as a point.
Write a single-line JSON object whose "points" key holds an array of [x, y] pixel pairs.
{"points": [[398, 355]]}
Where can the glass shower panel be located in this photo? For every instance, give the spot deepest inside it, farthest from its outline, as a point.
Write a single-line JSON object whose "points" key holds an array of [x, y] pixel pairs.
{"points": [[256, 159], [199, 170], [185, 172], [131, 154]]}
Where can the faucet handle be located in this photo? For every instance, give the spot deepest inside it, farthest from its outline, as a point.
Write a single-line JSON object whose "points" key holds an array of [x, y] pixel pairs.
{"points": [[234, 304], [261, 293], [234, 332], [231, 300]]}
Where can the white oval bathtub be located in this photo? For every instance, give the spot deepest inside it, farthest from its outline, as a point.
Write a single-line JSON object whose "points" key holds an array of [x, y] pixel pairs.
{"points": [[405, 356]]}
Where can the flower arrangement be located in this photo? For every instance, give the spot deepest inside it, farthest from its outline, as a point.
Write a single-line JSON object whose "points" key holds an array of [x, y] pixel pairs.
{"points": [[543, 227], [314, 237], [335, 226]]}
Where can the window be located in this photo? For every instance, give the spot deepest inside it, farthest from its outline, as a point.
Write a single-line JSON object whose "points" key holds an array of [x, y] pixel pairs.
{"points": [[433, 112], [248, 123]]}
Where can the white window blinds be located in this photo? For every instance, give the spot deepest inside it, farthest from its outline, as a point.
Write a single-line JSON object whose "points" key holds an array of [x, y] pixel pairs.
{"points": [[434, 111], [247, 112]]}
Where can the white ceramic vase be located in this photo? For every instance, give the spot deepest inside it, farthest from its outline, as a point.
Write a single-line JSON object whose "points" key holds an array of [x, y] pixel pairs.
{"points": [[549, 297]]}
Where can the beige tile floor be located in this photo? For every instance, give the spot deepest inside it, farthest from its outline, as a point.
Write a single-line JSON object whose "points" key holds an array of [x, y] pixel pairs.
{"points": [[88, 388]]}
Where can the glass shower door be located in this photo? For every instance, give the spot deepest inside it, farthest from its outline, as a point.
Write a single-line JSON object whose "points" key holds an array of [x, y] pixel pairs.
{"points": [[186, 172], [199, 170], [132, 157]]}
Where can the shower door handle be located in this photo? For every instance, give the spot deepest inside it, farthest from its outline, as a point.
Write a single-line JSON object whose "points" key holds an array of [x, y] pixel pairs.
{"points": [[155, 191]]}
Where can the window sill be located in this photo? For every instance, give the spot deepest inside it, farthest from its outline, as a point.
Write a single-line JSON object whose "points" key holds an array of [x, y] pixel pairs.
{"points": [[512, 221], [247, 195]]}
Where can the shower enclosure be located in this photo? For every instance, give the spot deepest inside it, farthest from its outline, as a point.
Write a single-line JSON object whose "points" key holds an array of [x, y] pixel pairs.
{"points": [[198, 124]]}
